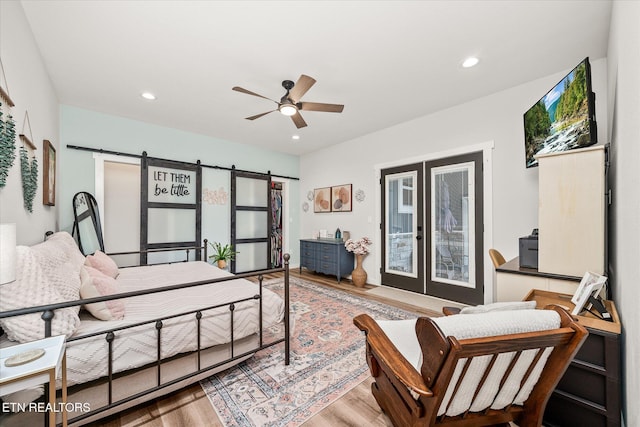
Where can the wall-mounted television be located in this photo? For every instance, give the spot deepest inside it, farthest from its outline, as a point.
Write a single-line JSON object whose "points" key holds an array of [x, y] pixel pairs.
{"points": [[564, 118]]}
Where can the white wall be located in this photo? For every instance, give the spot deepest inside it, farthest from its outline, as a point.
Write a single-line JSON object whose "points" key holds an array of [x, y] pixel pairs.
{"points": [[496, 118], [624, 111], [31, 90]]}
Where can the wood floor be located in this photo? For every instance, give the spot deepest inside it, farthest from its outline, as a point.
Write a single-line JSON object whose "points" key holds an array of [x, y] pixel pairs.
{"points": [[191, 407]]}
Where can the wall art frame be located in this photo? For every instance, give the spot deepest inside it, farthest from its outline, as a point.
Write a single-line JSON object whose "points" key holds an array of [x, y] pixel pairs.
{"points": [[322, 200], [341, 198], [48, 173]]}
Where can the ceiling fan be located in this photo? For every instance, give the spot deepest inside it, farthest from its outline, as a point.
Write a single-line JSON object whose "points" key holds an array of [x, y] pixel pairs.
{"points": [[290, 104]]}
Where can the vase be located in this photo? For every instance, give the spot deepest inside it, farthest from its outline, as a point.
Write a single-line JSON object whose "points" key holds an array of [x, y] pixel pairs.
{"points": [[222, 264], [359, 275]]}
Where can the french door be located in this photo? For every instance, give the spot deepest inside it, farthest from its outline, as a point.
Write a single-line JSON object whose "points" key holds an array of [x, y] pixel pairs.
{"points": [[455, 228], [402, 225], [432, 228]]}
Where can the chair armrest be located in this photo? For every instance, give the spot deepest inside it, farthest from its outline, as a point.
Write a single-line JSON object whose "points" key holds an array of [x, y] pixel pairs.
{"points": [[448, 311], [389, 357]]}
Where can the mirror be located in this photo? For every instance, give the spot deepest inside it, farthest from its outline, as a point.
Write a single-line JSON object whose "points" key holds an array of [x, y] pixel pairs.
{"points": [[86, 225]]}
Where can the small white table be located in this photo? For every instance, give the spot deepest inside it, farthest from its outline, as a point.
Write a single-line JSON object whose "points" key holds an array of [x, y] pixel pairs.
{"points": [[39, 371]]}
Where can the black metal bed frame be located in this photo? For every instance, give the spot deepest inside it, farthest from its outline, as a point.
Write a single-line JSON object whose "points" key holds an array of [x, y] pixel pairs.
{"points": [[48, 313]]}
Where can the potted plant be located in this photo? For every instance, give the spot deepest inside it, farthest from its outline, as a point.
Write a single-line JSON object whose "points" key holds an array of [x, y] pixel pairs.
{"points": [[222, 254]]}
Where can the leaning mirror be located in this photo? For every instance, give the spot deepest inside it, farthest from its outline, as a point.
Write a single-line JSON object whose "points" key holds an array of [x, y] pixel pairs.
{"points": [[86, 226]]}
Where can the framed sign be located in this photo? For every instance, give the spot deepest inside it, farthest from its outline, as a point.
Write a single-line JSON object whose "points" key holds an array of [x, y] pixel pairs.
{"points": [[49, 173]]}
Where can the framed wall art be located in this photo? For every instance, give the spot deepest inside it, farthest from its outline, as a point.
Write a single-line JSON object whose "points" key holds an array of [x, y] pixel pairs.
{"points": [[49, 173], [341, 198], [322, 199]]}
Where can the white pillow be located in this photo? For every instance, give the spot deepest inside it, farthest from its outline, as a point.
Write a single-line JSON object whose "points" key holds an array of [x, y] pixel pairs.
{"points": [[97, 284], [500, 306], [33, 287]]}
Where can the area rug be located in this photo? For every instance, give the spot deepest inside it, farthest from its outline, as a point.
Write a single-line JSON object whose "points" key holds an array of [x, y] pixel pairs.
{"points": [[327, 361]]}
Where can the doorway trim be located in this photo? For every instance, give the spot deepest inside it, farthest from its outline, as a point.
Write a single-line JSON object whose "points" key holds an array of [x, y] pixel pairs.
{"points": [[98, 160], [487, 175]]}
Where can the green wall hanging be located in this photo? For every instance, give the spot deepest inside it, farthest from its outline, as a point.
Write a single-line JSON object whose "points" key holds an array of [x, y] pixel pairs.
{"points": [[29, 178], [7, 146]]}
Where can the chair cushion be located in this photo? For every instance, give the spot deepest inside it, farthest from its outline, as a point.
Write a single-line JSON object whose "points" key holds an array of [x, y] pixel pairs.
{"points": [[479, 325], [499, 306]]}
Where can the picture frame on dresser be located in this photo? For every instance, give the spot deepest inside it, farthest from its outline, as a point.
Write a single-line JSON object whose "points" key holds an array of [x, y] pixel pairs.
{"points": [[590, 285]]}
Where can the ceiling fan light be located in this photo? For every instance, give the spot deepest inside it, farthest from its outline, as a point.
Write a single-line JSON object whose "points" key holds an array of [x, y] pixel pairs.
{"points": [[288, 109]]}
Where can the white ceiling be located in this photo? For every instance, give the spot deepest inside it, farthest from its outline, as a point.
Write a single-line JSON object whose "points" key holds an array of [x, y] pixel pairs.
{"points": [[386, 61]]}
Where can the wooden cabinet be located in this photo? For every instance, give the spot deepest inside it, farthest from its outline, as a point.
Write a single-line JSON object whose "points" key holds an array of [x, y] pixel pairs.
{"points": [[571, 212], [589, 393], [326, 256], [513, 283]]}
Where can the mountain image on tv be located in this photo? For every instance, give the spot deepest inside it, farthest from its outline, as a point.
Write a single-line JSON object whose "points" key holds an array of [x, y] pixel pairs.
{"points": [[560, 120]]}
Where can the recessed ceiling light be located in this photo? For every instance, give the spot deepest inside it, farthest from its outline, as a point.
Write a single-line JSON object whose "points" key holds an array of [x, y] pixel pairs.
{"points": [[148, 95], [470, 62], [295, 137]]}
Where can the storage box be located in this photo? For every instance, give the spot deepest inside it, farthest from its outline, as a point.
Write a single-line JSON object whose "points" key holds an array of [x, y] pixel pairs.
{"points": [[528, 251]]}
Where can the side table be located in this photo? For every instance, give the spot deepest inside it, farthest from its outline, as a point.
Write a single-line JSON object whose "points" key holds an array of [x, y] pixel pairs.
{"points": [[589, 393], [40, 371]]}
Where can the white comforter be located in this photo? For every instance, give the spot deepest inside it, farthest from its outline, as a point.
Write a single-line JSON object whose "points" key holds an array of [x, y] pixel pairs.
{"points": [[87, 359]]}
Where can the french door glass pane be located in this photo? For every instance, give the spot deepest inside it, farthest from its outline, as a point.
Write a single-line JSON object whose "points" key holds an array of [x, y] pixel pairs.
{"points": [[452, 225], [401, 224]]}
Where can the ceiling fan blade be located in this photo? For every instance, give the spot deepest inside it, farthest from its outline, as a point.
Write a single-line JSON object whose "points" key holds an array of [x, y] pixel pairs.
{"points": [[318, 106], [298, 120], [248, 92], [257, 116], [301, 87]]}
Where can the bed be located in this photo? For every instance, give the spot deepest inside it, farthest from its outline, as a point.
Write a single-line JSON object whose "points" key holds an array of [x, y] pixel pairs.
{"points": [[166, 327]]}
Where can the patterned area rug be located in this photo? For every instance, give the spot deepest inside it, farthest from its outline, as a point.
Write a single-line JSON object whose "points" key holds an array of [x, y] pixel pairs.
{"points": [[327, 361]]}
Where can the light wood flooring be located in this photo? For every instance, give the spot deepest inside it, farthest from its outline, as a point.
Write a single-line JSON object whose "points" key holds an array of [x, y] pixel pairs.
{"points": [[191, 407]]}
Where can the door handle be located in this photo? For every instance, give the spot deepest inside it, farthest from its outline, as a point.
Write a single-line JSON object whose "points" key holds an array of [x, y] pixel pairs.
{"points": [[419, 237]]}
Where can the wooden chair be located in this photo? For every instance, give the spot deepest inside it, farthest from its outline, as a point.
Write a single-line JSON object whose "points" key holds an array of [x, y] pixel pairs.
{"points": [[464, 382], [496, 258]]}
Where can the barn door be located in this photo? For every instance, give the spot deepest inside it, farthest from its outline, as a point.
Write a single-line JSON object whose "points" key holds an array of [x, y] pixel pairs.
{"points": [[170, 209], [251, 221]]}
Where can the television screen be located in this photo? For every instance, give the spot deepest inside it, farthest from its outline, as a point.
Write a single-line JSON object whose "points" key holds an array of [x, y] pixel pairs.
{"points": [[564, 118]]}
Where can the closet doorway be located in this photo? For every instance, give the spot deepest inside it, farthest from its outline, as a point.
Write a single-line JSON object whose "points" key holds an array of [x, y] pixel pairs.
{"points": [[432, 228], [121, 209]]}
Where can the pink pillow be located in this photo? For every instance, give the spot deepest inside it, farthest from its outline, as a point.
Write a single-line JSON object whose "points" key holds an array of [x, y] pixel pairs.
{"points": [[102, 262], [97, 284]]}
